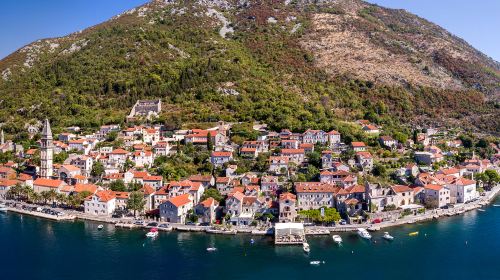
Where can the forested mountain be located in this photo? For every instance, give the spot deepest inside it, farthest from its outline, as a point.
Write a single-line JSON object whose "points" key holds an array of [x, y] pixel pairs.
{"points": [[295, 64]]}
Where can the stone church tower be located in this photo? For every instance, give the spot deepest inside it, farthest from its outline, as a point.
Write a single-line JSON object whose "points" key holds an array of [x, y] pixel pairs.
{"points": [[46, 152]]}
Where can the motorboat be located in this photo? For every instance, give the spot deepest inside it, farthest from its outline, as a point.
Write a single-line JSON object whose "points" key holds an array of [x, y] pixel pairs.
{"points": [[363, 233], [211, 249], [153, 233], [3, 208], [496, 205], [415, 233], [387, 236], [481, 210], [315, 262], [337, 239], [306, 247], [99, 227]]}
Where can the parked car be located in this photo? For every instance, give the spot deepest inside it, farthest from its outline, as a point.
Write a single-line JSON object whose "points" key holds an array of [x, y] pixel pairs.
{"points": [[153, 224], [163, 225], [343, 222], [376, 221]]}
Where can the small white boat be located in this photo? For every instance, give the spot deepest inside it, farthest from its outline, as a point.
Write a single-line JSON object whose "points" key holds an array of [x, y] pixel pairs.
{"points": [[315, 262], [496, 205], [211, 249], [387, 236], [306, 247], [153, 233], [482, 210], [337, 239], [363, 233], [3, 208], [99, 227]]}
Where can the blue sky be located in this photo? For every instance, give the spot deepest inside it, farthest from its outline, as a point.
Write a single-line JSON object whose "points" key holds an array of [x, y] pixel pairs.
{"points": [[24, 21]]}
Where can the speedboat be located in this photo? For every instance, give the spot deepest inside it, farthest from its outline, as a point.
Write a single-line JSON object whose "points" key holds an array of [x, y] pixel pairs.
{"points": [[363, 233], [306, 247], [496, 205], [211, 249], [482, 210], [337, 239], [415, 233], [153, 233], [99, 227], [387, 236], [3, 208], [315, 262]]}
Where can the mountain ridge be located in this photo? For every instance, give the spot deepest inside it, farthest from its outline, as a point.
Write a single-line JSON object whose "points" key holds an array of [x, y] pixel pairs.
{"points": [[295, 51]]}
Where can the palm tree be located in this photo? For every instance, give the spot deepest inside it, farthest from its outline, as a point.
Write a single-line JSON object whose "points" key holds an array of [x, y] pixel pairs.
{"points": [[45, 195], [61, 198], [36, 197], [52, 195]]}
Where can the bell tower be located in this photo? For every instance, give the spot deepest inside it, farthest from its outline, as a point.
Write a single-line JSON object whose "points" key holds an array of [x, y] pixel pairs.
{"points": [[46, 152]]}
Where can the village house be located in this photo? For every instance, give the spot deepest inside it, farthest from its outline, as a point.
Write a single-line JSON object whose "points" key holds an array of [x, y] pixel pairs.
{"points": [[175, 209], [161, 149], [155, 181], [333, 138], [7, 173], [205, 180], [83, 162], [194, 189], [370, 129], [44, 184], [118, 157], [205, 210], [242, 209], [67, 171], [315, 137], [102, 203], [402, 195], [287, 208], [388, 141], [219, 158], [462, 190], [437, 196], [143, 158], [5, 185], [278, 164], [200, 137], [364, 160], [290, 144], [269, 185], [296, 156], [358, 146], [314, 195], [223, 185]]}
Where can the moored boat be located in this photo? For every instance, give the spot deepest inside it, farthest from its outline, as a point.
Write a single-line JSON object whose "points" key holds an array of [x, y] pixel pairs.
{"points": [[99, 227], [211, 249], [337, 239], [3, 208], [415, 233], [363, 233], [387, 236], [306, 247], [153, 233]]}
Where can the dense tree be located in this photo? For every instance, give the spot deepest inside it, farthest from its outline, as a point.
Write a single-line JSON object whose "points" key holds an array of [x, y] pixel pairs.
{"points": [[213, 193], [136, 202]]}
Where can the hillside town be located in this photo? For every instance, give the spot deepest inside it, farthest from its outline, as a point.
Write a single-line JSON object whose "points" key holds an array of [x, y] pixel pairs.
{"points": [[246, 175]]}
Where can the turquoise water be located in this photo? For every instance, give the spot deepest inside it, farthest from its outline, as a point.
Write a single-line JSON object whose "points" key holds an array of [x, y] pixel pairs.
{"points": [[460, 247]]}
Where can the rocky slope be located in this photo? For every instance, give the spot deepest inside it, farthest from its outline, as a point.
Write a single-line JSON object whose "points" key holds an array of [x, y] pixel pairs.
{"points": [[290, 63]]}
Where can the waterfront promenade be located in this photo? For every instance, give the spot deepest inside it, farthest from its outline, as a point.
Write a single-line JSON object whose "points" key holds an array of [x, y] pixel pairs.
{"points": [[309, 230]]}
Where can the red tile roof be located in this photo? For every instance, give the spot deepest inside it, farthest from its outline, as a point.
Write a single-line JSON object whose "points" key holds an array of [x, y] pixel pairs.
{"points": [[49, 183], [180, 200]]}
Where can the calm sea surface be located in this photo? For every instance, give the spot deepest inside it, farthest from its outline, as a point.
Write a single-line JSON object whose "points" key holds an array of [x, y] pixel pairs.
{"points": [[460, 247]]}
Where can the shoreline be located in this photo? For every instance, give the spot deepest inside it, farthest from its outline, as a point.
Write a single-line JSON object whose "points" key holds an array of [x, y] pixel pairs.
{"points": [[434, 214]]}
